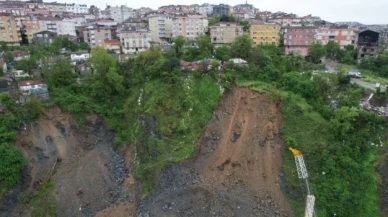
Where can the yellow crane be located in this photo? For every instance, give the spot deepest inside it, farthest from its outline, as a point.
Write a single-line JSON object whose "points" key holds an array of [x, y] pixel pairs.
{"points": [[302, 174]]}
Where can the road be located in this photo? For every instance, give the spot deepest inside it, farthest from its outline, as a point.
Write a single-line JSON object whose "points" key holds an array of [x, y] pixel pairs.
{"points": [[363, 84]]}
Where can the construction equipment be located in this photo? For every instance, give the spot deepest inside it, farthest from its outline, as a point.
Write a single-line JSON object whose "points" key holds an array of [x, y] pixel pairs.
{"points": [[302, 174]]}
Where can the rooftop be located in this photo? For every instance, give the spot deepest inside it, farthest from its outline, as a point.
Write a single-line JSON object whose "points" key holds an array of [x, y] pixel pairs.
{"points": [[30, 82]]}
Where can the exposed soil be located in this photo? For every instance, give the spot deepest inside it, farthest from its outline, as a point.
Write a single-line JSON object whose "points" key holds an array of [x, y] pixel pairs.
{"points": [[238, 169], [89, 174]]}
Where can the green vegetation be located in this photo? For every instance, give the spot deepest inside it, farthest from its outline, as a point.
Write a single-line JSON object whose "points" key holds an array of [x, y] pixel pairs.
{"points": [[43, 202], [377, 66]]}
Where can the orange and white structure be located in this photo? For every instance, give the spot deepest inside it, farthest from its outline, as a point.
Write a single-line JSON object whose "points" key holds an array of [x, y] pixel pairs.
{"points": [[302, 174]]}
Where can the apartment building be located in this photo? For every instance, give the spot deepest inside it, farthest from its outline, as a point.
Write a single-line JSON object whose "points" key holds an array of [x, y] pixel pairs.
{"points": [[285, 20], [160, 25], [77, 8], [225, 32], [44, 38], [368, 44], [221, 9], [264, 33], [113, 45], [342, 35], [297, 39], [9, 31], [14, 8], [66, 27], [190, 26], [121, 13], [36, 8], [31, 26], [55, 8], [205, 9], [96, 35], [135, 39]]}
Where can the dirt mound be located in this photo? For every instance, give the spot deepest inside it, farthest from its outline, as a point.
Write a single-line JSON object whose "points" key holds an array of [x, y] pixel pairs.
{"points": [[89, 174], [238, 167]]}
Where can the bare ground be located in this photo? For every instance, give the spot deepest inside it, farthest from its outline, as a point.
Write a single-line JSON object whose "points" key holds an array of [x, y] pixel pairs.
{"points": [[237, 171], [88, 174]]}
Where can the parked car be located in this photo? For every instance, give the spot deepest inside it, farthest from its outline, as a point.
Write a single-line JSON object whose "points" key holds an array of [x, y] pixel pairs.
{"points": [[354, 73]]}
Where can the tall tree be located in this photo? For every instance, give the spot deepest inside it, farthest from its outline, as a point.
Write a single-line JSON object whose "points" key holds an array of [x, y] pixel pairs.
{"points": [[101, 61], [316, 52], [332, 49], [179, 41], [242, 46], [28, 65], [62, 73], [9, 56]]}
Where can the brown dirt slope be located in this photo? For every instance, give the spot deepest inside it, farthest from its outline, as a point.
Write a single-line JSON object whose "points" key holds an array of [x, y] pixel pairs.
{"points": [[89, 173], [238, 169]]}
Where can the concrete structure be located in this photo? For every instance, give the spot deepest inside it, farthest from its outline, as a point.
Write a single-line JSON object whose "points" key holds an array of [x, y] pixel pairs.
{"points": [[160, 25], [297, 39], [44, 38], [36, 8], [31, 26], [49, 23], [77, 8], [368, 44], [135, 39], [14, 8], [55, 8], [9, 31], [20, 55], [264, 33], [221, 9], [121, 13], [247, 8], [342, 35], [190, 26], [205, 9], [96, 35], [285, 20], [66, 27], [225, 33], [113, 45]]}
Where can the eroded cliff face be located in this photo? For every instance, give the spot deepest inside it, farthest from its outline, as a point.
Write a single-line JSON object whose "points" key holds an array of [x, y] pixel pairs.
{"points": [[87, 172]]}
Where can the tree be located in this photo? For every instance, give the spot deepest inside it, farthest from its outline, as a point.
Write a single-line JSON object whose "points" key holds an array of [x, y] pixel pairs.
{"points": [[242, 46], [62, 73], [222, 53], [3, 46], [9, 56], [101, 61], [179, 41], [205, 46], [1, 71], [150, 56], [245, 23], [316, 52], [27, 65], [84, 46], [34, 109], [343, 120], [332, 49]]}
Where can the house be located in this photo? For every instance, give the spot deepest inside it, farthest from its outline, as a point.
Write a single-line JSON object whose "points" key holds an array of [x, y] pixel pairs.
{"points": [[264, 33], [3, 65], [368, 44], [135, 39], [34, 88], [44, 38], [297, 39], [225, 32], [113, 45], [20, 74], [238, 61], [79, 57], [341, 34], [20, 55]]}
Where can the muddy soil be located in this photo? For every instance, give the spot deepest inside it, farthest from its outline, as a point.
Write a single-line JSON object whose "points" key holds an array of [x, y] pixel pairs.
{"points": [[88, 174], [238, 169]]}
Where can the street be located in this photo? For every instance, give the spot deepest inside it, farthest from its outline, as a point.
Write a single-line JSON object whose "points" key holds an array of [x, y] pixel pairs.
{"points": [[363, 84]]}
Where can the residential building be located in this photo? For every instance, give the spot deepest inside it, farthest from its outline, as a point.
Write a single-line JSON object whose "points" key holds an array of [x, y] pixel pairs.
{"points": [[135, 39], [77, 8], [3, 65], [20, 55], [14, 8], [245, 8], [141, 12], [297, 39], [285, 20], [44, 37], [205, 9], [33, 88], [9, 32], [55, 8], [96, 35], [113, 45], [36, 8], [221, 9], [310, 19], [264, 15], [66, 27], [79, 19], [342, 35], [121, 13], [160, 25], [225, 33], [49, 23], [31, 26], [94, 11], [264, 33], [368, 44], [190, 26]]}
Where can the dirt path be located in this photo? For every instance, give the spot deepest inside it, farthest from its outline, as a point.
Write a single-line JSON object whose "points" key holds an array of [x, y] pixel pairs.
{"points": [[89, 173], [238, 167]]}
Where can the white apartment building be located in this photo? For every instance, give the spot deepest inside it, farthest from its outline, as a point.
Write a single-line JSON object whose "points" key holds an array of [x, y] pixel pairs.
{"points": [[160, 26], [77, 8], [49, 23], [66, 27], [121, 13], [205, 9], [190, 26], [135, 39]]}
